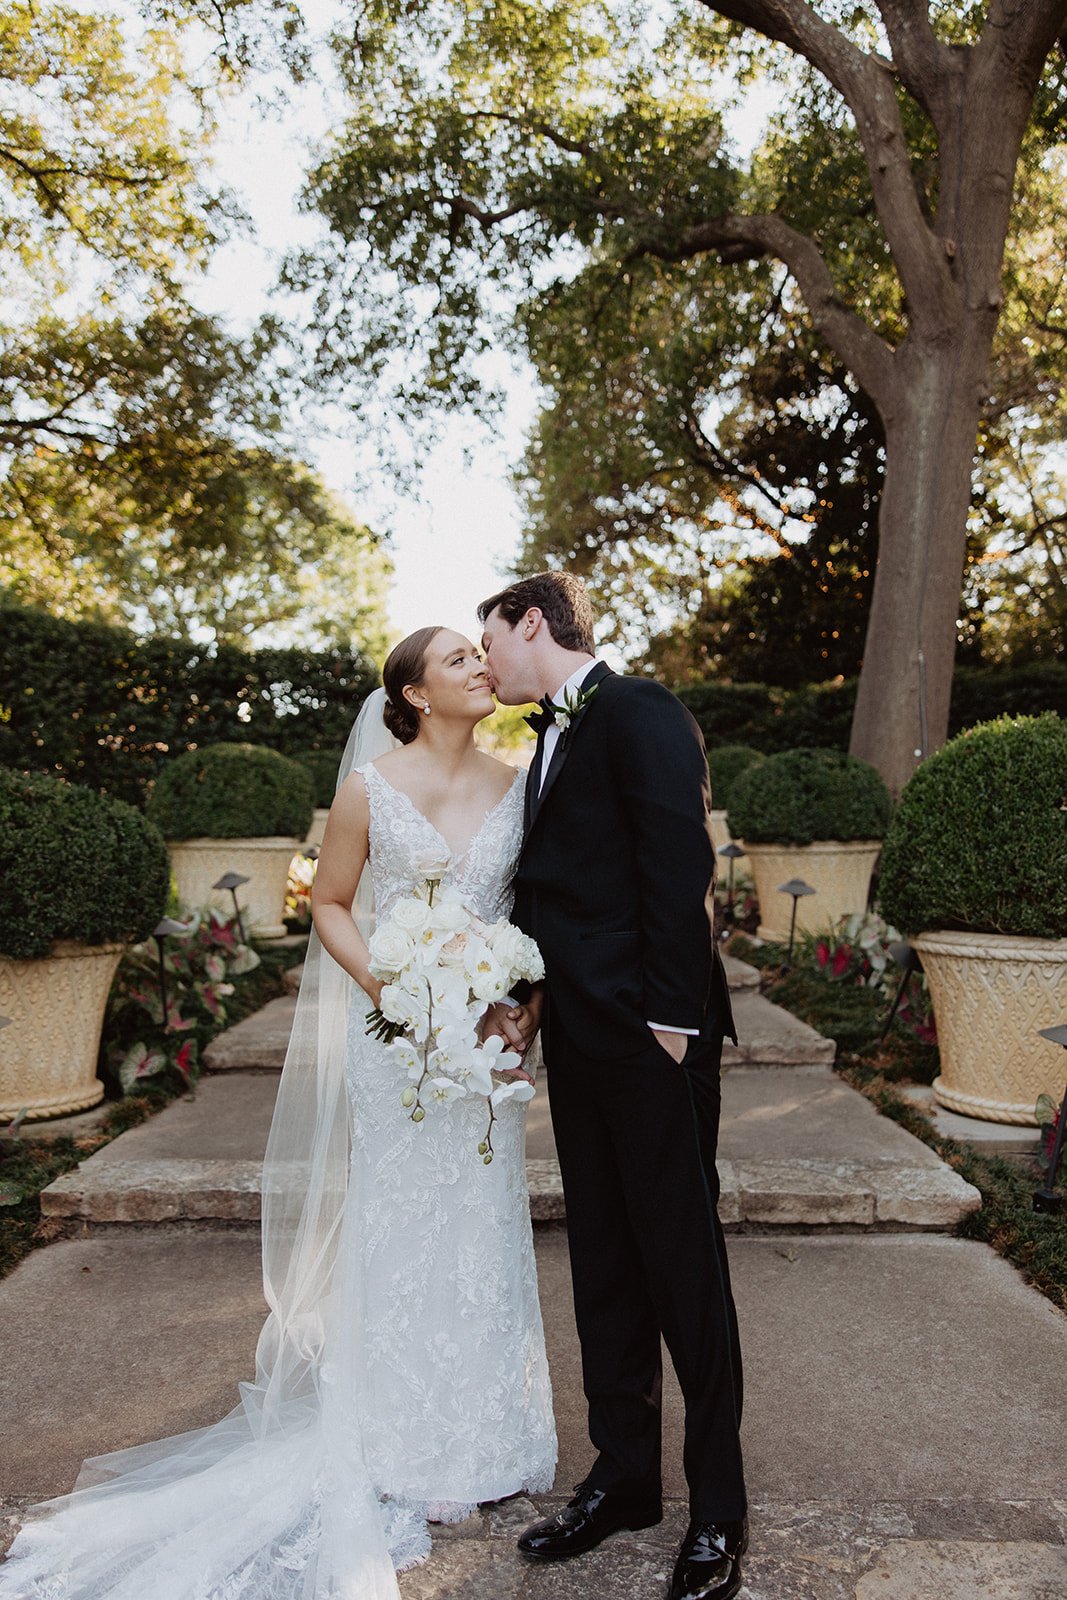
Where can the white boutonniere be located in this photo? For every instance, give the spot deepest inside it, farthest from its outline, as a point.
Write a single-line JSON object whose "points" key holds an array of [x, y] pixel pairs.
{"points": [[574, 700]]}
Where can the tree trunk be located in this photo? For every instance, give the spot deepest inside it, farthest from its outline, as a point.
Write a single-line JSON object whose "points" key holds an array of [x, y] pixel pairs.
{"points": [[905, 684]]}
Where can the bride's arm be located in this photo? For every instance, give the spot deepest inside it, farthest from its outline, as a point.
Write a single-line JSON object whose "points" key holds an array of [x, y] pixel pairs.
{"points": [[342, 857]]}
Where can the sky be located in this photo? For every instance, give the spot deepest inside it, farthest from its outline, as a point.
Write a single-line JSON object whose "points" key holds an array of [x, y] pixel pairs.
{"points": [[455, 533]]}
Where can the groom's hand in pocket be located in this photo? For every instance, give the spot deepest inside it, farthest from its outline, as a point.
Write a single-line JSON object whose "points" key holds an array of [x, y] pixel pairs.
{"points": [[675, 1044]]}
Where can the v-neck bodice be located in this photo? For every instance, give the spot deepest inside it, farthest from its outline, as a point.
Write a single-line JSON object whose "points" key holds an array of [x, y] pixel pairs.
{"points": [[399, 832]]}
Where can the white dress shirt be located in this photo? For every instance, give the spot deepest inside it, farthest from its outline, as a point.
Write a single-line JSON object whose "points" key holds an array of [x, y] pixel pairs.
{"points": [[548, 750]]}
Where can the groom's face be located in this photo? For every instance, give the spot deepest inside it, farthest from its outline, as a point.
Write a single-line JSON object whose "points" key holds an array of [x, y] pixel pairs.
{"points": [[510, 659]]}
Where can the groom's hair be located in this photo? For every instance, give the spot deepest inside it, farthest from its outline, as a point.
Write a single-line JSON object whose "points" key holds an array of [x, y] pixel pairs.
{"points": [[560, 597]]}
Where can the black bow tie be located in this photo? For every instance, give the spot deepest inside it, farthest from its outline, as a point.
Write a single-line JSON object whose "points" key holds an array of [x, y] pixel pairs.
{"points": [[539, 719]]}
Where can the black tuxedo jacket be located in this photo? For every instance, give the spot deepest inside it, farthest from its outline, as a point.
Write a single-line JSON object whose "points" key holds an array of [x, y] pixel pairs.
{"points": [[617, 871]]}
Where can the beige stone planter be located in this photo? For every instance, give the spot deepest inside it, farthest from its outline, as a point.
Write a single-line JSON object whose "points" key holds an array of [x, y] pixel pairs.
{"points": [[839, 872], [198, 863], [48, 1054], [991, 994], [318, 825], [720, 835]]}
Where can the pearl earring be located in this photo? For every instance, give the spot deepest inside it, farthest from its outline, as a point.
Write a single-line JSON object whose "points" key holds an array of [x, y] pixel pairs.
{"points": [[426, 711]]}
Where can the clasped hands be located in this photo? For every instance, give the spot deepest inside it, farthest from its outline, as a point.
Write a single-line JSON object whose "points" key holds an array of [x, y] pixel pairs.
{"points": [[517, 1025]]}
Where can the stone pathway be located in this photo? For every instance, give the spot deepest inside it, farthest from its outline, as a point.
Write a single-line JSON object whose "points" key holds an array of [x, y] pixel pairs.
{"points": [[903, 1426], [798, 1147]]}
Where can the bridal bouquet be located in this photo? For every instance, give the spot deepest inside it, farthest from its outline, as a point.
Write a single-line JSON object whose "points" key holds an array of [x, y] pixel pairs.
{"points": [[441, 968]]}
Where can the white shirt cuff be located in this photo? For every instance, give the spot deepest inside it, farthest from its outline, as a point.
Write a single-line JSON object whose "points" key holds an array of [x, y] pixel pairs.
{"points": [[662, 1027]]}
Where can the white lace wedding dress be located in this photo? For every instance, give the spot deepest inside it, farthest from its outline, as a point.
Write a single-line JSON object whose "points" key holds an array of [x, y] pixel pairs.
{"points": [[427, 1393]]}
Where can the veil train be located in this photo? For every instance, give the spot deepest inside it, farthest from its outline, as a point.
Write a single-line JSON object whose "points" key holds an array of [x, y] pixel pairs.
{"points": [[274, 1501]]}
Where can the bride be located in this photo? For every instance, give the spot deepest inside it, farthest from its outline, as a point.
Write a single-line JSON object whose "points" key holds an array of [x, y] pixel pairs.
{"points": [[401, 1376]]}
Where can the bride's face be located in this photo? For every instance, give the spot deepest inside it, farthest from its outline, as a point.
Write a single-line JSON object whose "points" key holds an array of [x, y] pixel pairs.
{"points": [[455, 681]]}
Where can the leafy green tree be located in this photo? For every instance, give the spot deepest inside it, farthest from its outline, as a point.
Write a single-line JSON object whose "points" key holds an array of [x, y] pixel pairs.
{"points": [[482, 139], [145, 472]]}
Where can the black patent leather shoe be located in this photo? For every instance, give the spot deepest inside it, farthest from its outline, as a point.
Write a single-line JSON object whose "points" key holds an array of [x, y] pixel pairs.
{"points": [[709, 1562], [585, 1521]]}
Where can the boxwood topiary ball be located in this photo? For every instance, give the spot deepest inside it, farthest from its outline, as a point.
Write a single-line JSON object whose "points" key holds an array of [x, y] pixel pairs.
{"points": [[726, 762], [800, 796], [75, 865], [979, 841], [232, 791]]}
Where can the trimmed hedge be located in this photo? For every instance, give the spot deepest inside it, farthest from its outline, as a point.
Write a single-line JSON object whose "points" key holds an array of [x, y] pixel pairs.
{"points": [[799, 796], [98, 706], [979, 840], [322, 765], [75, 865], [232, 791], [820, 716], [726, 762]]}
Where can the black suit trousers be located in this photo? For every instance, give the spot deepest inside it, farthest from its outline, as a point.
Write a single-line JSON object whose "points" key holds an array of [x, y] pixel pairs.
{"points": [[636, 1141]]}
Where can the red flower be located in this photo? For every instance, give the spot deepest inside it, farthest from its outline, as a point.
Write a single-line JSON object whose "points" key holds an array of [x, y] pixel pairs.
{"points": [[842, 957], [184, 1060], [822, 952]]}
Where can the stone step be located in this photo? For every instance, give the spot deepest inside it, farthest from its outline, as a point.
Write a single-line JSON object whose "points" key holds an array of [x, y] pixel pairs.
{"points": [[797, 1150], [768, 1036]]}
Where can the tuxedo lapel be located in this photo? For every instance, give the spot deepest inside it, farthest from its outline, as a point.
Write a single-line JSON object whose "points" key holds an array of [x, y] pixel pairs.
{"points": [[560, 755]]}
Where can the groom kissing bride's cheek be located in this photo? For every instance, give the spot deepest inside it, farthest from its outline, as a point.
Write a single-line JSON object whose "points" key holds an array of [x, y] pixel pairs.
{"points": [[614, 883]]}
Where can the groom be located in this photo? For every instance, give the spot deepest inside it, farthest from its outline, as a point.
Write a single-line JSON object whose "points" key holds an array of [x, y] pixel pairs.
{"points": [[615, 884]]}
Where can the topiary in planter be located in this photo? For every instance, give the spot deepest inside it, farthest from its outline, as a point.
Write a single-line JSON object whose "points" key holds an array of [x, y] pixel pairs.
{"points": [[801, 796], [979, 840], [232, 791], [75, 866], [726, 763]]}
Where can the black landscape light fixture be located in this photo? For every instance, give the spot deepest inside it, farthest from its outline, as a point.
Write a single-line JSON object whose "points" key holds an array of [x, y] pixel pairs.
{"points": [[233, 881], [161, 931], [798, 889], [731, 851], [908, 958], [1046, 1199]]}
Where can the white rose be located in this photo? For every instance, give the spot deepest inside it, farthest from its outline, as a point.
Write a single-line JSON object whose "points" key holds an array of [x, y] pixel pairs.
{"points": [[431, 864], [390, 949], [410, 914], [505, 941], [447, 916]]}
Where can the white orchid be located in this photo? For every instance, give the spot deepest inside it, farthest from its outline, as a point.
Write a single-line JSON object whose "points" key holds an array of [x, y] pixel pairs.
{"points": [[442, 966], [443, 1090], [518, 1089]]}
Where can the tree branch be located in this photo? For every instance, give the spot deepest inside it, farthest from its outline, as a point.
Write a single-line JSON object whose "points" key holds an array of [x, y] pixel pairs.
{"points": [[866, 84], [929, 70], [738, 238]]}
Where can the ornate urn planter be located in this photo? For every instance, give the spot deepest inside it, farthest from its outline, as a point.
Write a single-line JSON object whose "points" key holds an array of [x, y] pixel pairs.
{"points": [[318, 826], [992, 992], [838, 870], [234, 808], [56, 1005], [198, 864], [979, 846]]}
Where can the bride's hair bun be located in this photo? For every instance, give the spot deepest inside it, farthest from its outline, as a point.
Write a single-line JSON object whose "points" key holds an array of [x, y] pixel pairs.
{"points": [[405, 664]]}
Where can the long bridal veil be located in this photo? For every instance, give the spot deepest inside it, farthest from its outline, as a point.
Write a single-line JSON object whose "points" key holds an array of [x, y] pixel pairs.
{"points": [[274, 1501]]}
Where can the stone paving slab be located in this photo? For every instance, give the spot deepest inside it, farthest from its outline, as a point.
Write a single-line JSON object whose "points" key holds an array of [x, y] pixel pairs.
{"points": [[768, 1036], [257, 1044], [898, 1426], [991, 1138], [796, 1150]]}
